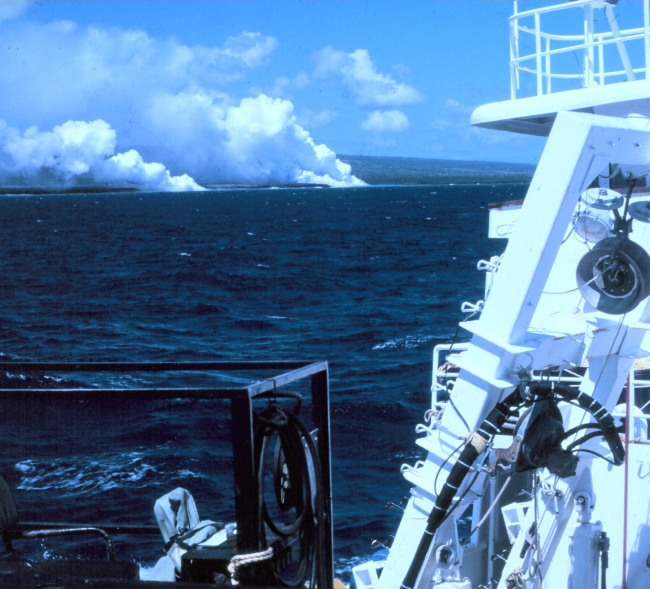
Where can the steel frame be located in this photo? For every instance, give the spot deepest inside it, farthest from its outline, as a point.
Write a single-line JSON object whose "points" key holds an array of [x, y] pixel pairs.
{"points": [[241, 407]]}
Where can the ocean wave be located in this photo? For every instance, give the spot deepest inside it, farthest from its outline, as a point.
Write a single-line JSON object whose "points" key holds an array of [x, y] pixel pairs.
{"points": [[78, 475], [405, 343]]}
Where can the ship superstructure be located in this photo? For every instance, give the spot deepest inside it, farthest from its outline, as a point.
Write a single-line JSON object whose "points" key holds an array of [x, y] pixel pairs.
{"points": [[537, 468]]}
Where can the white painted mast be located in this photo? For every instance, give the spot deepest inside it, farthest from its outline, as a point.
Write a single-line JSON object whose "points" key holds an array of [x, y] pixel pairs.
{"points": [[536, 318]]}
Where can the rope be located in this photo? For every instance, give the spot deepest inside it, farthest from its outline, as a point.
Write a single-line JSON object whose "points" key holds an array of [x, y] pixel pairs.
{"points": [[489, 511], [515, 580], [433, 415], [245, 559], [552, 493], [479, 442]]}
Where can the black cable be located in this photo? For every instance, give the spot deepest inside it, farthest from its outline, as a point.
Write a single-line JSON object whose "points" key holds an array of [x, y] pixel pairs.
{"points": [[435, 481], [577, 428], [584, 439], [596, 454], [459, 414], [451, 347], [291, 436]]}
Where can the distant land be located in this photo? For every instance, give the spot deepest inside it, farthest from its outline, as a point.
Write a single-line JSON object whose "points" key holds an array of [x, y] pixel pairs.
{"points": [[411, 170], [374, 170]]}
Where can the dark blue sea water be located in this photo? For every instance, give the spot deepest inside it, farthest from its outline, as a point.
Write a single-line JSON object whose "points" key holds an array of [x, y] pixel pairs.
{"points": [[369, 279]]}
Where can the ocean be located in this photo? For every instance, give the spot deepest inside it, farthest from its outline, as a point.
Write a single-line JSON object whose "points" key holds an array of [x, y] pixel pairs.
{"points": [[369, 279]]}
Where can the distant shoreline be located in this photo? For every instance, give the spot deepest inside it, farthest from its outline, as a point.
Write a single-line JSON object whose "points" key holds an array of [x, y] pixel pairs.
{"points": [[374, 170], [41, 191]]}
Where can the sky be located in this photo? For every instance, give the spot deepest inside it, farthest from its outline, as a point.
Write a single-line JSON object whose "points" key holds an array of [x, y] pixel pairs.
{"points": [[248, 90]]}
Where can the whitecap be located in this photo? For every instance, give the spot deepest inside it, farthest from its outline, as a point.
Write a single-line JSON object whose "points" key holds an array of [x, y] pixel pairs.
{"points": [[406, 343], [77, 475], [184, 254]]}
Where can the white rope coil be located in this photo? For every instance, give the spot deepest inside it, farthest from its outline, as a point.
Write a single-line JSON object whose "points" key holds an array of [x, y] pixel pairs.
{"points": [[241, 560], [515, 580], [433, 415], [467, 307], [475, 439]]}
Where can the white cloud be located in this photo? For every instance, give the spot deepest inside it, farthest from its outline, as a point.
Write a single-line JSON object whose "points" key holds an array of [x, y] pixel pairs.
{"points": [[13, 8], [386, 121], [301, 81], [368, 86], [152, 92], [455, 105], [251, 48], [310, 119], [63, 71], [282, 87], [80, 149]]}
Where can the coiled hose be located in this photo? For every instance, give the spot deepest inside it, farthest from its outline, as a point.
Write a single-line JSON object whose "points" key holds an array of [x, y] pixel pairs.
{"points": [[292, 436]]}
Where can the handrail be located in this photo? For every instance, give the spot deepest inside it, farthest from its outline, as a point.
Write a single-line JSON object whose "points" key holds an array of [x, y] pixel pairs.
{"points": [[591, 43], [555, 8]]}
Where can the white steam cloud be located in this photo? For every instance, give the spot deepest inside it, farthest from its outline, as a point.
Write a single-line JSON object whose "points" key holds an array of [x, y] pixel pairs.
{"points": [[76, 149], [257, 140], [155, 94]]}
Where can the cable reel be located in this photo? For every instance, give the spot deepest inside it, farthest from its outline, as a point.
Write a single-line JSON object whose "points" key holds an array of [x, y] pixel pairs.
{"points": [[614, 277], [286, 456]]}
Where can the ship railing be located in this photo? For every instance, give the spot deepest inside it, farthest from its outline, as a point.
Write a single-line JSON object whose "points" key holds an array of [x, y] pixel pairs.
{"points": [[593, 70], [445, 372], [242, 399]]}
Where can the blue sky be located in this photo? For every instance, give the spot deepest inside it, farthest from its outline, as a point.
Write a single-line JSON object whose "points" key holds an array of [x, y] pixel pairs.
{"points": [[369, 77]]}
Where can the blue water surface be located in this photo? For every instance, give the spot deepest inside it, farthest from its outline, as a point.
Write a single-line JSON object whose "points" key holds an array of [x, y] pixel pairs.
{"points": [[368, 278]]}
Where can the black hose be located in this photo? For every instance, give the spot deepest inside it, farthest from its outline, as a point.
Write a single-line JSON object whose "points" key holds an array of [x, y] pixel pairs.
{"points": [[589, 404], [490, 426], [292, 436], [567, 434]]}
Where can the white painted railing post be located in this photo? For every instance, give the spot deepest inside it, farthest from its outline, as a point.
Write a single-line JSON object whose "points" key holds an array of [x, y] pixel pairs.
{"points": [[548, 65], [513, 64], [646, 37], [538, 55], [601, 62], [589, 46]]}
